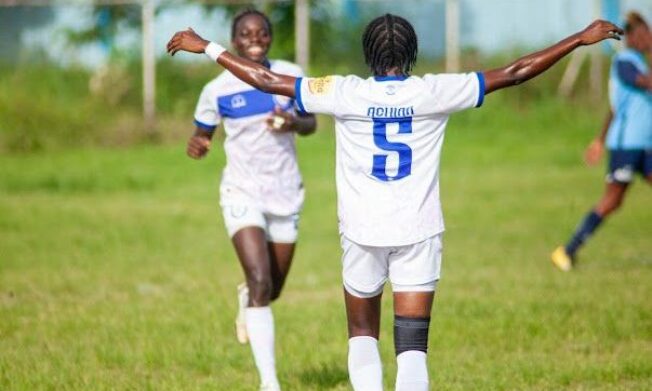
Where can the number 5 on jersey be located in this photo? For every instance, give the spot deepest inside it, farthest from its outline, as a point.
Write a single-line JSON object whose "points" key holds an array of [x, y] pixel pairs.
{"points": [[404, 151]]}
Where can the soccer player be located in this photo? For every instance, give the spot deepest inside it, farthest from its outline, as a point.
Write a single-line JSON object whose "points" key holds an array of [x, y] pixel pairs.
{"points": [[261, 192], [389, 133], [627, 132]]}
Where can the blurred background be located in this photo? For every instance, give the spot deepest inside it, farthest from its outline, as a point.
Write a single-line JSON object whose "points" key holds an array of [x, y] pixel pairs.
{"points": [[116, 272], [96, 71]]}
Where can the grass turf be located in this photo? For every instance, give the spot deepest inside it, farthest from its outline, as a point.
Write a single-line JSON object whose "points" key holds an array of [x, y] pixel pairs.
{"points": [[116, 272]]}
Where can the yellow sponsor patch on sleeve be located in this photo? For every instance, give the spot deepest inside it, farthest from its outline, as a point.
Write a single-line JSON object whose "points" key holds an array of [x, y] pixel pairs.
{"points": [[320, 85]]}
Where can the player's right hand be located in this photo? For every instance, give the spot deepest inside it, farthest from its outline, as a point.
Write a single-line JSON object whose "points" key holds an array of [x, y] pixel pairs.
{"points": [[599, 31], [198, 147], [188, 41], [594, 152]]}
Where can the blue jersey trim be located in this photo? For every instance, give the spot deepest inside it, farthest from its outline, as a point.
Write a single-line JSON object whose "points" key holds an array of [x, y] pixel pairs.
{"points": [[483, 88], [628, 73], [245, 104], [206, 127], [390, 78], [297, 94]]}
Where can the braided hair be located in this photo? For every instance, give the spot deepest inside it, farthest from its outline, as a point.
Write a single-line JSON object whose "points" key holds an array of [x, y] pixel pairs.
{"points": [[389, 41], [246, 12]]}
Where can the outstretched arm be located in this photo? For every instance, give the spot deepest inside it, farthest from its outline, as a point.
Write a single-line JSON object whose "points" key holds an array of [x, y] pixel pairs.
{"points": [[530, 66], [248, 71]]}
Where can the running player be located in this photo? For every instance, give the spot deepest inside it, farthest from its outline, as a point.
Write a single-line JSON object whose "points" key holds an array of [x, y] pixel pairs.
{"points": [[261, 192], [627, 132], [389, 134]]}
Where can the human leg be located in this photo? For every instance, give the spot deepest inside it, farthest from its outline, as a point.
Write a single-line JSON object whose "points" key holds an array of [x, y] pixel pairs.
{"points": [[611, 200], [252, 250], [282, 235], [281, 255], [411, 325], [622, 167], [255, 323], [253, 253], [363, 319], [364, 274], [414, 271]]}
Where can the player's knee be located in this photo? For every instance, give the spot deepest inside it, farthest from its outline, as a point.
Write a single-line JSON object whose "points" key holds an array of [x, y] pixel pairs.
{"points": [[260, 287], [410, 334]]}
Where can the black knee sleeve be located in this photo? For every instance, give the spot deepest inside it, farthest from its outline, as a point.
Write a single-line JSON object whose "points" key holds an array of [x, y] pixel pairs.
{"points": [[410, 334]]}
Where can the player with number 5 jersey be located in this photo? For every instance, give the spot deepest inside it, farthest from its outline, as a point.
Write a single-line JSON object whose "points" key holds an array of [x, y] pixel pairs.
{"points": [[389, 132]]}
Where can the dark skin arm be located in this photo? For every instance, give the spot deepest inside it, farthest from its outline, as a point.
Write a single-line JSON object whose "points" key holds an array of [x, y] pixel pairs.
{"points": [[248, 71], [302, 124], [516, 73], [644, 81], [199, 144], [595, 150], [525, 68]]}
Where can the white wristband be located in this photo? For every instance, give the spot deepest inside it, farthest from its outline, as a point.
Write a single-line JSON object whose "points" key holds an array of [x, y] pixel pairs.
{"points": [[213, 51]]}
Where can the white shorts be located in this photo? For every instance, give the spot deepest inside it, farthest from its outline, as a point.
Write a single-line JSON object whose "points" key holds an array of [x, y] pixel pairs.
{"points": [[412, 268], [278, 229]]}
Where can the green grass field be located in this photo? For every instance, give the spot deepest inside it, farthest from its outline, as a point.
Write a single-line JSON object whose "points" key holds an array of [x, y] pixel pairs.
{"points": [[116, 272]]}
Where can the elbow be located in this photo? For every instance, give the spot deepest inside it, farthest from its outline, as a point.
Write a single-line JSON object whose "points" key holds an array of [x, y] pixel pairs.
{"points": [[264, 81], [518, 72]]}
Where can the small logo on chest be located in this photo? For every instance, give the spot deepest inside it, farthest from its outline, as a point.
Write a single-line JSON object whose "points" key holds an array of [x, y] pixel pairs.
{"points": [[238, 101]]}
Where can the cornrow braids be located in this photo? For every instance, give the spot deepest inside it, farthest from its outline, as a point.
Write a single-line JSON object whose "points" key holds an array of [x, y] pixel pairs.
{"points": [[247, 12], [388, 42]]}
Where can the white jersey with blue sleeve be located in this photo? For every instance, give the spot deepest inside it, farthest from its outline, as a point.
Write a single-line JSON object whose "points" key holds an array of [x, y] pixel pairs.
{"points": [[261, 168], [389, 134]]}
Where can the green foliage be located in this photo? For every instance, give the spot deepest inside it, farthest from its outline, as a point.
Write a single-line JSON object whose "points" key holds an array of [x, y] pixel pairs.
{"points": [[44, 107], [108, 19]]}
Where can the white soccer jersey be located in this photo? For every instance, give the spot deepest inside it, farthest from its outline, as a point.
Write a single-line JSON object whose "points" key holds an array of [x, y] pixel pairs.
{"points": [[261, 168], [389, 133]]}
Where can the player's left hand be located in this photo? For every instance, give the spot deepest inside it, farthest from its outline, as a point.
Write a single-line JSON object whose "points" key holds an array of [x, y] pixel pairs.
{"points": [[188, 41], [594, 152], [599, 31], [280, 121]]}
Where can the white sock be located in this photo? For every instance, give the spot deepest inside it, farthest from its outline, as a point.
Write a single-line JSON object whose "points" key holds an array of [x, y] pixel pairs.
{"points": [[412, 372], [260, 327], [365, 368]]}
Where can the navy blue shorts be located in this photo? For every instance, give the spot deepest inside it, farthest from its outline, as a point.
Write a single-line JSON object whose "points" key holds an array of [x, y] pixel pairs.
{"points": [[624, 164]]}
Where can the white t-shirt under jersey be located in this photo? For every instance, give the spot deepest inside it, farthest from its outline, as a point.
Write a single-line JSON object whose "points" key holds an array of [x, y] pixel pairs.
{"points": [[261, 168], [389, 133]]}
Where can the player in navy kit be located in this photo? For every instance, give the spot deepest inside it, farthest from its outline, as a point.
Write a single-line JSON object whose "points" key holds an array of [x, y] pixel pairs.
{"points": [[627, 134], [389, 132], [261, 192]]}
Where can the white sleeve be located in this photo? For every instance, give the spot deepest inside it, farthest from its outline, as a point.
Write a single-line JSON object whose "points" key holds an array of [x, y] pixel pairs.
{"points": [[317, 95], [455, 91], [206, 115]]}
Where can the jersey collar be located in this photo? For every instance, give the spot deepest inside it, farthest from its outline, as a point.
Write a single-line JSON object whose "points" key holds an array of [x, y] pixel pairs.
{"points": [[390, 78]]}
